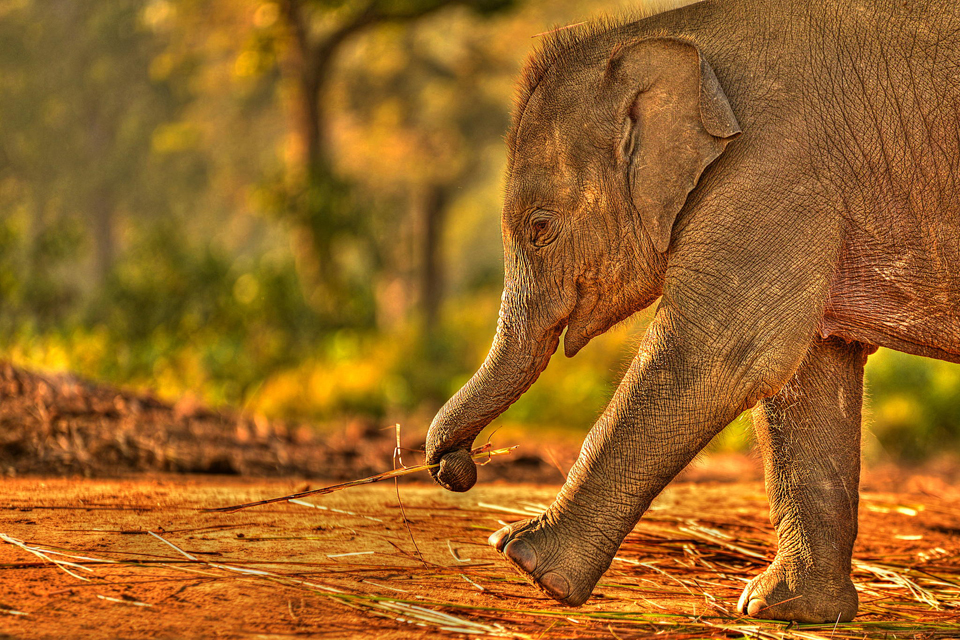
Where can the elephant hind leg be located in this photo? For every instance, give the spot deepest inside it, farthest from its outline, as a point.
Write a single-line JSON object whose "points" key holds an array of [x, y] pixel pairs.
{"points": [[809, 435]]}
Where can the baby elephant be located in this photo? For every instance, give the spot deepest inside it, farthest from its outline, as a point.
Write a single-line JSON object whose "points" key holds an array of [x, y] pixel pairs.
{"points": [[785, 177]]}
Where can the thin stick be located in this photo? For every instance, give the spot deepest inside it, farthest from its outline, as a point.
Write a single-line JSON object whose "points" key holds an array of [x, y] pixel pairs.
{"points": [[776, 603], [396, 483], [480, 453], [62, 564]]}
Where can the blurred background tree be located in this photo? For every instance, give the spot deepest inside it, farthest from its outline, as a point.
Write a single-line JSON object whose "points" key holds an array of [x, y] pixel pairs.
{"points": [[88, 142], [293, 206]]}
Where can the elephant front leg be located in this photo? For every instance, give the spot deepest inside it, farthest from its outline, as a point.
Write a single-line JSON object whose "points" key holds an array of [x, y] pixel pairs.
{"points": [[809, 434], [672, 401]]}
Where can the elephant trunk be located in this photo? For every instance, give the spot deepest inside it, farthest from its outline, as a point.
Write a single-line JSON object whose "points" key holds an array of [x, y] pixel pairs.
{"points": [[515, 361]]}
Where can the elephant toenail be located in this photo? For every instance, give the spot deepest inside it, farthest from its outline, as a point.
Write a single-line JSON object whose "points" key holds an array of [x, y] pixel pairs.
{"points": [[498, 539], [521, 554], [555, 585], [757, 609]]}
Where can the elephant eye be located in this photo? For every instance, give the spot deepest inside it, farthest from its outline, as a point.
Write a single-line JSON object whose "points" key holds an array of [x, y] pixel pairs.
{"points": [[542, 229]]}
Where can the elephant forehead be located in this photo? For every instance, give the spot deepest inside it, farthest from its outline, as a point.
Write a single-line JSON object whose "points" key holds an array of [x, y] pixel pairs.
{"points": [[549, 185], [555, 156], [541, 176], [547, 164]]}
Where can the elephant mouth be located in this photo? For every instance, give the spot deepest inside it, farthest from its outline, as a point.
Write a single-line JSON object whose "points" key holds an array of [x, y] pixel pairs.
{"points": [[575, 338], [581, 325], [586, 322]]}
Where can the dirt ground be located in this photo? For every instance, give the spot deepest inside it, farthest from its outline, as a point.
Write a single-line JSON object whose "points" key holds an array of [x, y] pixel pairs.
{"points": [[83, 558], [104, 534]]}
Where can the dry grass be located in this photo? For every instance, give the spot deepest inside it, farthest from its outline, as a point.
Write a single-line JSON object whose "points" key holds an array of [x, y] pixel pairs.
{"points": [[676, 576], [480, 454]]}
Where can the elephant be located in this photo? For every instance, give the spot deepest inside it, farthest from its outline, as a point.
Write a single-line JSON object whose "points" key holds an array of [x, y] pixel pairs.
{"points": [[781, 180]]}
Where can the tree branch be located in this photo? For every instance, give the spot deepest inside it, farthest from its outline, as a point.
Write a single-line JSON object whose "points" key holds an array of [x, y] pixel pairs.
{"points": [[317, 55], [371, 14]]}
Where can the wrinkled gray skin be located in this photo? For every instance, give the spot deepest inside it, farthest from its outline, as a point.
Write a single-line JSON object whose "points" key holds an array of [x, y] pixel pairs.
{"points": [[784, 175]]}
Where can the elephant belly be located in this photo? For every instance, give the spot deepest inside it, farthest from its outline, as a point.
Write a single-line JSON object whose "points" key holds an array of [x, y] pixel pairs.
{"points": [[901, 296]]}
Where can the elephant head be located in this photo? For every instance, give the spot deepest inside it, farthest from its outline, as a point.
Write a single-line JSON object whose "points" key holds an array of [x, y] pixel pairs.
{"points": [[608, 140]]}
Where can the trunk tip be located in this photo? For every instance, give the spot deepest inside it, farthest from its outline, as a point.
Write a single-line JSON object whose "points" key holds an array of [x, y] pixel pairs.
{"points": [[458, 471]]}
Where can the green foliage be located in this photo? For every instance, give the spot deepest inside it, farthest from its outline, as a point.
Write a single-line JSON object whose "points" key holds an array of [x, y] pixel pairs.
{"points": [[402, 8], [324, 214], [914, 404], [236, 321], [161, 223], [183, 313], [32, 286], [79, 105]]}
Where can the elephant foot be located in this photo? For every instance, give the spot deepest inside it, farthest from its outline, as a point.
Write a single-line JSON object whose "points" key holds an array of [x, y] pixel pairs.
{"points": [[557, 562], [781, 593]]}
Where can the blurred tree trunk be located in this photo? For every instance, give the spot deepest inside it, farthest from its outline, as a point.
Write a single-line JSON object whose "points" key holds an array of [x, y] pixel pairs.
{"points": [[101, 138], [432, 212], [101, 208], [318, 216], [317, 208], [313, 61], [316, 56]]}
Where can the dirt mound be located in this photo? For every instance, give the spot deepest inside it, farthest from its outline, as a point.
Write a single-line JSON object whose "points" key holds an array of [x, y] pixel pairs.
{"points": [[58, 424]]}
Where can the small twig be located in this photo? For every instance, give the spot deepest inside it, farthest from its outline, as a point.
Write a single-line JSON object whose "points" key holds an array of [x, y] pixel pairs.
{"points": [[40, 553], [176, 548], [396, 483], [480, 453], [383, 586], [472, 582], [456, 556], [354, 553], [245, 571], [135, 603], [323, 508], [777, 603]]}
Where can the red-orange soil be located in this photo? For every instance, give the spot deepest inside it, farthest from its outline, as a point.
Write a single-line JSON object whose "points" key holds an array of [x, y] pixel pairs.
{"points": [[115, 552], [350, 569]]}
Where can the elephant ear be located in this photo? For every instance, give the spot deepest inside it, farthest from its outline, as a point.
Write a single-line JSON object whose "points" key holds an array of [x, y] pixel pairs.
{"points": [[676, 121]]}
